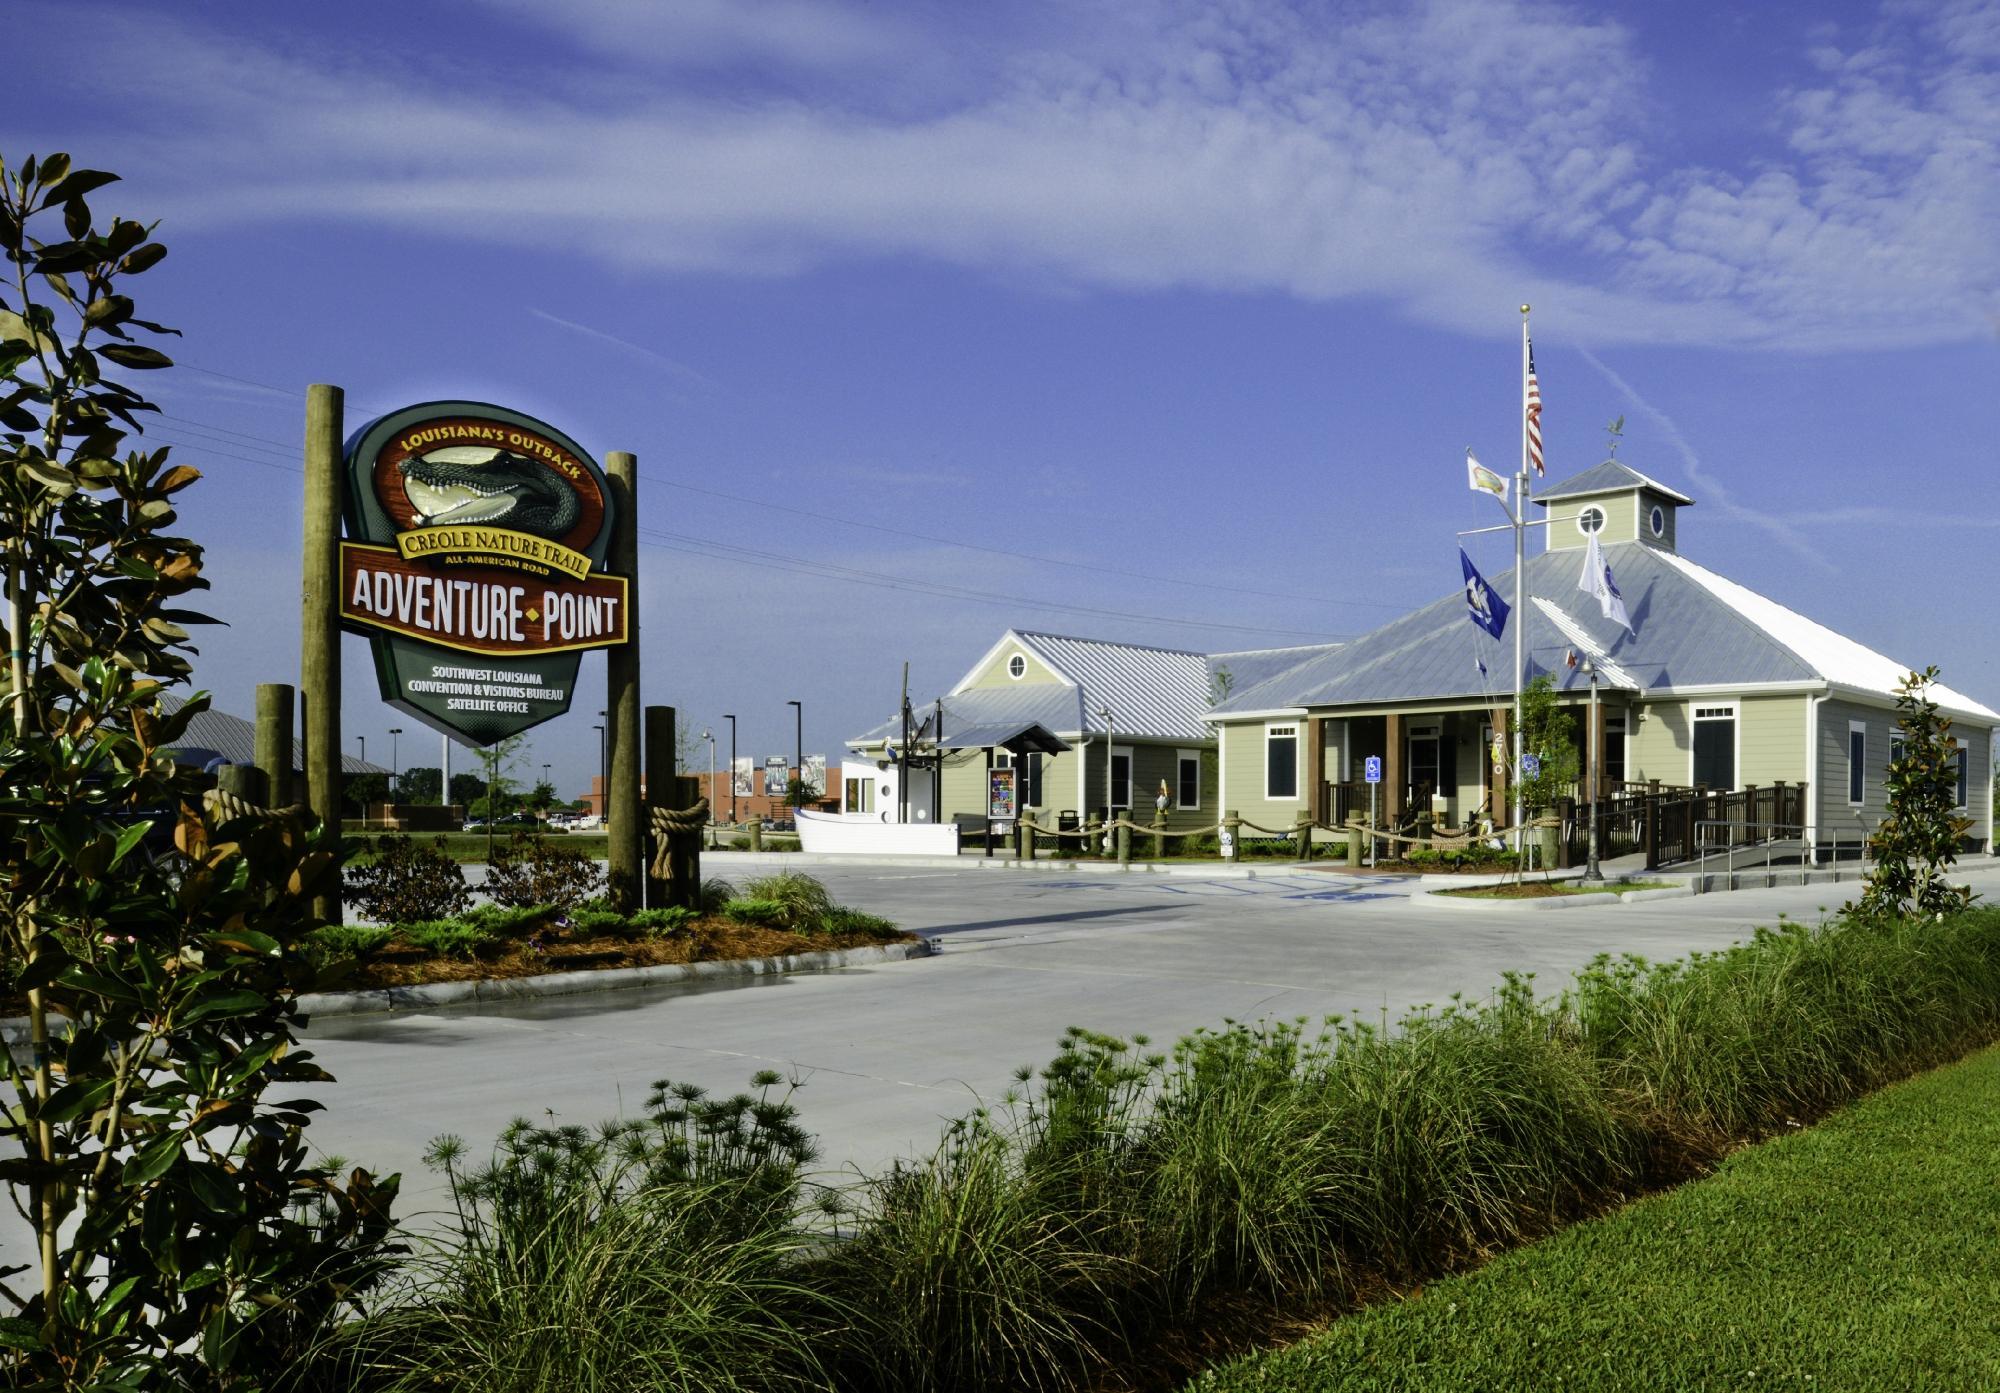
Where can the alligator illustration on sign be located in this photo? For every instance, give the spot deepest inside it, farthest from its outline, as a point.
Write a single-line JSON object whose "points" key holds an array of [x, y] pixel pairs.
{"points": [[490, 488]]}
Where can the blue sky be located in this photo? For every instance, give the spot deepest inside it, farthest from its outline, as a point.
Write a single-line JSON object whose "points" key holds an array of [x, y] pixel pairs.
{"points": [[1152, 321]]}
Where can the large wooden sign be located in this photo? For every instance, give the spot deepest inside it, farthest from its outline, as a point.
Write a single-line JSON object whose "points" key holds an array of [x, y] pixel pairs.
{"points": [[475, 565]]}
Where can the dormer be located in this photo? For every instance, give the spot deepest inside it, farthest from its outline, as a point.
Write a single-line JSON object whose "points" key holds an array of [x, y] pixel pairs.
{"points": [[1618, 503]]}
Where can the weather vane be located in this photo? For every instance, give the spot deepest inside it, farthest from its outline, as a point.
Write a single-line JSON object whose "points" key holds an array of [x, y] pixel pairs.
{"points": [[1616, 431]]}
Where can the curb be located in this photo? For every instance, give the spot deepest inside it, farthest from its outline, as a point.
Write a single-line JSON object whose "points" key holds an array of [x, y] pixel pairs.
{"points": [[14, 1029], [1593, 900]]}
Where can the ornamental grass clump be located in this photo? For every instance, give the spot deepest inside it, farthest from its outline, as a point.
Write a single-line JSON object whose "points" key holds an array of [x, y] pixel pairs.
{"points": [[656, 1253]]}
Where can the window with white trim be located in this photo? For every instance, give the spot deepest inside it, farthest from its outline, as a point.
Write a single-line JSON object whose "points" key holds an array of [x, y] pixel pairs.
{"points": [[1857, 763], [1017, 667], [1964, 757], [1713, 757], [1187, 778], [1281, 761], [1657, 520], [1614, 750], [1590, 520], [1028, 783]]}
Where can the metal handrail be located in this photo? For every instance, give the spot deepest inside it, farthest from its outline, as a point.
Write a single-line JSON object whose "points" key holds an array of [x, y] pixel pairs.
{"points": [[1809, 851]]}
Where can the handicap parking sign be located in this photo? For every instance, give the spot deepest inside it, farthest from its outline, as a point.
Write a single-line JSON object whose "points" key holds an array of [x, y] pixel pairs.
{"points": [[1371, 769], [1531, 766]]}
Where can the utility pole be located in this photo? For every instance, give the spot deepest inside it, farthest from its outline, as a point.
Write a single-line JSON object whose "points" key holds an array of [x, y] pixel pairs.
{"points": [[319, 629]]}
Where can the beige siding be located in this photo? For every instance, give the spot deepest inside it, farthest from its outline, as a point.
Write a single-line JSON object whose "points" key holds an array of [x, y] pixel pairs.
{"points": [[1838, 814], [964, 788], [1621, 520], [1244, 767], [1770, 739], [994, 673]]}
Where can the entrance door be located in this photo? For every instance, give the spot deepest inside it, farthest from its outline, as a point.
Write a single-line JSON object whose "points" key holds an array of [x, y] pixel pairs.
{"points": [[1423, 766]]}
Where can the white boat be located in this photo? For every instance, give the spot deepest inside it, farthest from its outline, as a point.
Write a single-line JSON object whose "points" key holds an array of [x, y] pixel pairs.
{"points": [[862, 833]]}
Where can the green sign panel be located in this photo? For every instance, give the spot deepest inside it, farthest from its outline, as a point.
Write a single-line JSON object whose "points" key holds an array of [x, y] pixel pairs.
{"points": [[474, 563]]}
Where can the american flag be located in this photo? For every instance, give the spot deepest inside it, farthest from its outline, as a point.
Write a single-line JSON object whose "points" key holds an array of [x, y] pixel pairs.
{"points": [[1534, 409]]}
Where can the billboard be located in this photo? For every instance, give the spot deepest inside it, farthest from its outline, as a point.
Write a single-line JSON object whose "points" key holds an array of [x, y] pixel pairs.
{"points": [[743, 776], [777, 772], [815, 773], [475, 564]]}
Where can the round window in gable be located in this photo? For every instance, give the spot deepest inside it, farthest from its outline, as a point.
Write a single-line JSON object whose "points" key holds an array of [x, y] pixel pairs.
{"points": [[1590, 520], [1657, 520], [1017, 666]]}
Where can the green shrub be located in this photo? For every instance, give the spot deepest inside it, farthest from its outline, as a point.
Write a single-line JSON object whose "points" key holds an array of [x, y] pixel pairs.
{"points": [[843, 920], [408, 882], [767, 914], [803, 902], [333, 942], [529, 870], [508, 921], [447, 938], [663, 922], [715, 893], [595, 922]]}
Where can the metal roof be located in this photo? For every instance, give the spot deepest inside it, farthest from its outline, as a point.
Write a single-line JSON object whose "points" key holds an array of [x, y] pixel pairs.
{"points": [[1006, 735], [1159, 692], [235, 740], [1051, 705], [1608, 477], [1252, 666], [1691, 628]]}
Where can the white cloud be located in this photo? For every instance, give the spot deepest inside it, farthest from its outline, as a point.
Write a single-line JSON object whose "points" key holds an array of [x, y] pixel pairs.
{"points": [[1454, 157]]}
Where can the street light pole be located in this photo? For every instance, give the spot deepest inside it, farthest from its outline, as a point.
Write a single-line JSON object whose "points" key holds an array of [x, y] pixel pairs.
{"points": [[799, 747], [546, 784], [395, 761], [1591, 874], [732, 769], [709, 736], [603, 773]]}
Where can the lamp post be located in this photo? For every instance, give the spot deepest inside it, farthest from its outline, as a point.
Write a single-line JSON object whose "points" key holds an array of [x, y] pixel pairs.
{"points": [[732, 769], [362, 741], [395, 761], [799, 747], [603, 773], [547, 785], [709, 736], [1591, 874]]}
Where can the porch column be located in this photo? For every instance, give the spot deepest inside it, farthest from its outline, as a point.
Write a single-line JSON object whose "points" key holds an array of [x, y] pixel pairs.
{"points": [[1499, 780], [1316, 768], [1395, 797]]}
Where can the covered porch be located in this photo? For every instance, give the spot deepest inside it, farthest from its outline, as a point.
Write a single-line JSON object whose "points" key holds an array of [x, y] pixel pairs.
{"points": [[1446, 763]]}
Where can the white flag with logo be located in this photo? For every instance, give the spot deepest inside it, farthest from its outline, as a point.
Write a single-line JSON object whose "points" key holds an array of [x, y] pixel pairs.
{"points": [[1483, 480], [1597, 582]]}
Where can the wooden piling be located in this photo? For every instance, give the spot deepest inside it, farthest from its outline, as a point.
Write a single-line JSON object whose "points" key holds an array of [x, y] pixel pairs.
{"points": [[275, 706], [319, 627], [624, 817]]}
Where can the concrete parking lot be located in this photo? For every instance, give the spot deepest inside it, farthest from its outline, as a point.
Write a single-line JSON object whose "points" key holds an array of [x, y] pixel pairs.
{"points": [[886, 1055]]}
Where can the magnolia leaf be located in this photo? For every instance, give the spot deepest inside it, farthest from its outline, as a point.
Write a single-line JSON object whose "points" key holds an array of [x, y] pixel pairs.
{"points": [[52, 170], [133, 355], [176, 479], [107, 309], [143, 258]]}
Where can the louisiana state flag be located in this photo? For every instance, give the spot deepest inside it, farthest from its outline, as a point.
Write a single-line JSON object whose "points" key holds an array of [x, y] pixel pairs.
{"points": [[1482, 606]]}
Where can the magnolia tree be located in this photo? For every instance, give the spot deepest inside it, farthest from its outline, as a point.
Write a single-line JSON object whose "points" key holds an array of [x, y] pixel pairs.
{"points": [[1916, 843], [183, 1236]]}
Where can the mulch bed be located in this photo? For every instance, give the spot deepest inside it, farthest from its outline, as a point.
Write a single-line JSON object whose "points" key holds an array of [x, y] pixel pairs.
{"points": [[706, 940]]}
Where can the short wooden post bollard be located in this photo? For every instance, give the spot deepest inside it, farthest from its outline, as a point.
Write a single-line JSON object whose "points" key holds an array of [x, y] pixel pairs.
{"points": [[1125, 844], [1089, 843], [1160, 835], [1304, 830], [245, 781], [756, 834], [1354, 847]]}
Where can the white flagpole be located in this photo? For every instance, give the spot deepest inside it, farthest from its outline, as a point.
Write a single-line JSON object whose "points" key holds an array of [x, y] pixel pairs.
{"points": [[1520, 608]]}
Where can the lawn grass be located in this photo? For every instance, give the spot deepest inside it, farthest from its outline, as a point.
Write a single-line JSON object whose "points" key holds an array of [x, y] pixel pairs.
{"points": [[1862, 1253]]}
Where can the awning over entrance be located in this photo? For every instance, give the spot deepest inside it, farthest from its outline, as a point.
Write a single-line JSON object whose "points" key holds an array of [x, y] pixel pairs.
{"points": [[1013, 736]]}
